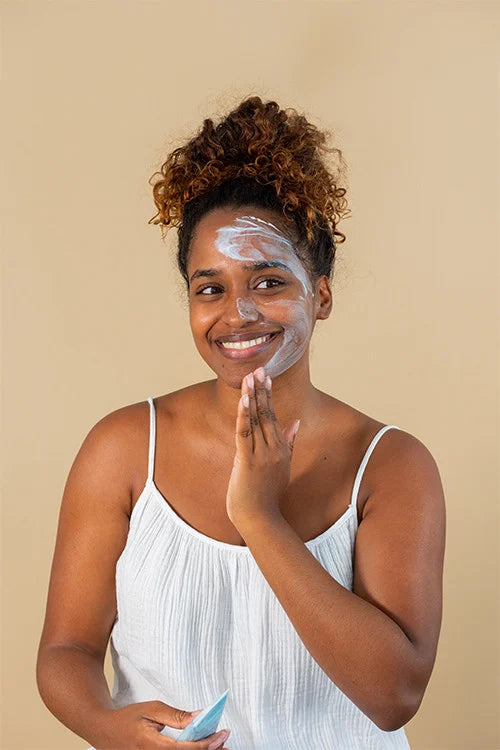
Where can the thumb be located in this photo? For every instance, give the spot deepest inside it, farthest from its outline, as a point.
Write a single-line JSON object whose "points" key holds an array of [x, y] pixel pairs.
{"points": [[174, 717]]}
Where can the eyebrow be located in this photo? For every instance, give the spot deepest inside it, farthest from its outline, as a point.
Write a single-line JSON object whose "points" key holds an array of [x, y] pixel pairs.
{"points": [[247, 267]]}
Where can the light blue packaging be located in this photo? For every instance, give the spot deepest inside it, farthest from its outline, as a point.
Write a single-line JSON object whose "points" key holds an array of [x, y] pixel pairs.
{"points": [[204, 724]]}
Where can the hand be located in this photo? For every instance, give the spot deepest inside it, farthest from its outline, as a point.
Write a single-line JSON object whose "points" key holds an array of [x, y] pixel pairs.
{"points": [[261, 468], [138, 725]]}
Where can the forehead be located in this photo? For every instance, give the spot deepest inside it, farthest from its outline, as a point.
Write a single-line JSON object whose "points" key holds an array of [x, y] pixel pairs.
{"points": [[239, 234]]}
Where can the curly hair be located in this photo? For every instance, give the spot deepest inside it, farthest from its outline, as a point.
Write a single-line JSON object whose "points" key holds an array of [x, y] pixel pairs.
{"points": [[263, 156]]}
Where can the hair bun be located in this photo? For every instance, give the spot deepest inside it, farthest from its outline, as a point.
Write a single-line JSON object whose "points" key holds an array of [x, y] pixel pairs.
{"points": [[257, 155], [274, 146]]}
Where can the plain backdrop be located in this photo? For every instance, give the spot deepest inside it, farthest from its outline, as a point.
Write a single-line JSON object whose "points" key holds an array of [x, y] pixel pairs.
{"points": [[95, 95]]}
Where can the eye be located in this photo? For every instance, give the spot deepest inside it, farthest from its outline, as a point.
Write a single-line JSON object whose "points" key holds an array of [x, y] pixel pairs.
{"points": [[207, 287], [279, 282]]}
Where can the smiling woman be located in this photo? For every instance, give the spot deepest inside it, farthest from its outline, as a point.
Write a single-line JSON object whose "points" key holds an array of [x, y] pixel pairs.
{"points": [[267, 559]]}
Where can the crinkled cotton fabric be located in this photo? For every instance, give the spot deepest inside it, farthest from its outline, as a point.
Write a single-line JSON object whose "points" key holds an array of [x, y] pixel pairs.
{"points": [[196, 616]]}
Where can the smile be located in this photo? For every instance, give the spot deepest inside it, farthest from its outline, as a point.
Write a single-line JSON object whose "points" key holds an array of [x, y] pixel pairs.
{"points": [[245, 349]]}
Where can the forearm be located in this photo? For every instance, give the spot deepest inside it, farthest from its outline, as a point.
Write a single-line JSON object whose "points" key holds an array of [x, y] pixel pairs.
{"points": [[72, 685], [362, 650]]}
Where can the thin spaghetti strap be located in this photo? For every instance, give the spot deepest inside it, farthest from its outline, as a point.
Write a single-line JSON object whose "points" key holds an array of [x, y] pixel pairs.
{"points": [[152, 439], [364, 461]]}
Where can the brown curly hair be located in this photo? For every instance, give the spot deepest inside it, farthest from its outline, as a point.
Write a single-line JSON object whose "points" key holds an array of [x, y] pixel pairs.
{"points": [[263, 156]]}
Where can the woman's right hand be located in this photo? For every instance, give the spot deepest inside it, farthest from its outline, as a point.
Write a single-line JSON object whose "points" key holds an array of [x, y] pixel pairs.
{"points": [[138, 726]]}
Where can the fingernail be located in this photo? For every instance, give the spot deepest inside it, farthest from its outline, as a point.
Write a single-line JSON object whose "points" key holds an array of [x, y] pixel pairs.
{"points": [[251, 381], [268, 383], [260, 375], [195, 713]]}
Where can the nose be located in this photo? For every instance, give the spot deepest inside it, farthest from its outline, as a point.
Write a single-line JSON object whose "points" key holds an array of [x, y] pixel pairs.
{"points": [[239, 308], [247, 309]]}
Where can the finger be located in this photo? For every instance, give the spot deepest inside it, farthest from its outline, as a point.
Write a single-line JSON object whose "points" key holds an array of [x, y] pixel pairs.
{"points": [[245, 389], [243, 434], [265, 414], [269, 389], [258, 437], [215, 742]]}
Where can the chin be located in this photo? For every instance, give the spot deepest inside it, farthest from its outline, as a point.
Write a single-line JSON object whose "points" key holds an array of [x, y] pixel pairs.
{"points": [[234, 381]]}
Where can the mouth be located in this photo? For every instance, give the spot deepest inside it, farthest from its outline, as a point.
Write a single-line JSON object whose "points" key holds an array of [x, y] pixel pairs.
{"points": [[246, 349]]}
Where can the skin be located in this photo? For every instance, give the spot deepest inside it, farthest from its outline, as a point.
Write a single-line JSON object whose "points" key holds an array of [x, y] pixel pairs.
{"points": [[238, 300]]}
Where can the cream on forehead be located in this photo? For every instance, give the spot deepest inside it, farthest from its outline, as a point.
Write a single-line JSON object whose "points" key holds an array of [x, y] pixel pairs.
{"points": [[233, 242]]}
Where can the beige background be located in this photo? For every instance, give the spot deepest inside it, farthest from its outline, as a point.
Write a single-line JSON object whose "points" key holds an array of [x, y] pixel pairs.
{"points": [[95, 94]]}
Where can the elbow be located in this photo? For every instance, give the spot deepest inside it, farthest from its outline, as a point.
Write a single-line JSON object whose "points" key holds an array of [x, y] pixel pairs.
{"points": [[396, 716], [391, 722], [402, 706]]}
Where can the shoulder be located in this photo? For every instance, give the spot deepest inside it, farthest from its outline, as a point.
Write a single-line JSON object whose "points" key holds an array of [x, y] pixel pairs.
{"points": [[398, 460], [111, 444], [115, 430], [405, 503], [121, 426], [129, 421], [402, 459], [394, 446], [126, 429]]}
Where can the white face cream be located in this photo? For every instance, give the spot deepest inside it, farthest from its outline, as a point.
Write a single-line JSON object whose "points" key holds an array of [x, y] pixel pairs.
{"points": [[249, 238], [247, 309]]}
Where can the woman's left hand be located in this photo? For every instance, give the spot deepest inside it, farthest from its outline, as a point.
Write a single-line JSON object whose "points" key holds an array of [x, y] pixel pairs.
{"points": [[261, 468]]}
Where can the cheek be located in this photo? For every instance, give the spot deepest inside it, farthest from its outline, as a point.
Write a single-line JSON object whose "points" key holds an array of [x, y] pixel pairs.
{"points": [[293, 315], [201, 317], [296, 321], [298, 331]]}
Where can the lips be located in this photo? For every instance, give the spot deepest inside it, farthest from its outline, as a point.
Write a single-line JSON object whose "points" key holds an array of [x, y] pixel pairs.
{"points": [[247, 336], [249, 351]]}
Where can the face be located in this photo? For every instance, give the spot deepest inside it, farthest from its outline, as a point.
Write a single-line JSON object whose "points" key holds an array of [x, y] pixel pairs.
{"points": [[247, 283]]}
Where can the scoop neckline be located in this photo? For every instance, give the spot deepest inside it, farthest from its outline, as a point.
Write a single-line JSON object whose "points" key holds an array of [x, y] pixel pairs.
{"points": [[237, 548]]}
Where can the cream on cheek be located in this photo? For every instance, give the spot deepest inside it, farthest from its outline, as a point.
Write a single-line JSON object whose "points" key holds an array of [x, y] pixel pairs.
{"points": [[296, 335], [234, 241]]}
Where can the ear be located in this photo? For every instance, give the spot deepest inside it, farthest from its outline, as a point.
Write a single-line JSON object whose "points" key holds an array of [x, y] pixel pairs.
{"points": [[323, 298]]}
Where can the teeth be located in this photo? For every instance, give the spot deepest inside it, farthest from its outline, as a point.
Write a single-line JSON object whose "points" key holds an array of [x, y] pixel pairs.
{"points": [[245, 344]]}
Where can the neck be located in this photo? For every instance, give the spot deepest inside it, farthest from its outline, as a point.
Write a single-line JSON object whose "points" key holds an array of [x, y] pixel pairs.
{"points": [[293, 394]]}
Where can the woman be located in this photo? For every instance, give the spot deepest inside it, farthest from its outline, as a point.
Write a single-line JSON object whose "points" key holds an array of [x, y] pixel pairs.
{"points": [[221, 548]]}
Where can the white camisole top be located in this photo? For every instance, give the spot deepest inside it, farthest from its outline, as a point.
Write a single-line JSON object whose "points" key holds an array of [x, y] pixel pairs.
{"points": [[196, 616]]}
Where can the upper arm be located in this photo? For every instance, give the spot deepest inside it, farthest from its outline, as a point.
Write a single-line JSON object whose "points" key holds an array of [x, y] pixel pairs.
{"points": [[91, 534], [399, 550]]}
